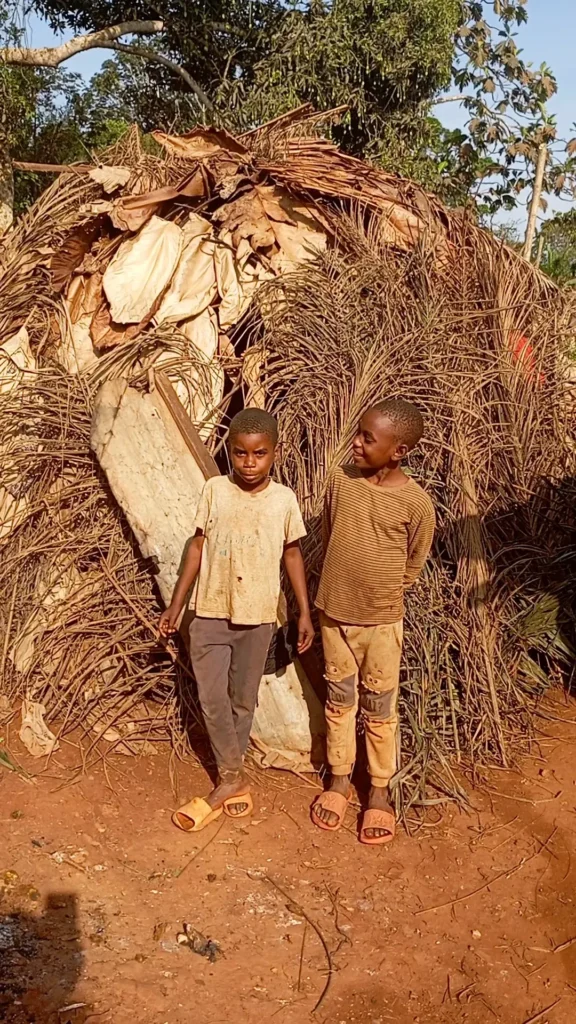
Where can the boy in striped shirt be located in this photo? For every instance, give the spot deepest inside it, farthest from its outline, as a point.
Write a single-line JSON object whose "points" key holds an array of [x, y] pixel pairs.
{"points": [[378, 526]]}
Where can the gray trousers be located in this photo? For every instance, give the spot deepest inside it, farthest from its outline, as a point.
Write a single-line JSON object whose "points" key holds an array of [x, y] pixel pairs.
{"points": [[228, 662]]}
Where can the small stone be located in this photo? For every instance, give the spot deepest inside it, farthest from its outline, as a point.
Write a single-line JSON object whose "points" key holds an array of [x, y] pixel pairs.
{"points": [[476, 934], [211, 877], [365, 905]]}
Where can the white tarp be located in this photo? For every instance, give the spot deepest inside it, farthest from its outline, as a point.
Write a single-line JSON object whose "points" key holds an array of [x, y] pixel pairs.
{"points": [[141, 270], [193, 285]]}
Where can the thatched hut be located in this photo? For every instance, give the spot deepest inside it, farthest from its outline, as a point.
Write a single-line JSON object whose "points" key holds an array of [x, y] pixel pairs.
{"points": [[273, 269]]}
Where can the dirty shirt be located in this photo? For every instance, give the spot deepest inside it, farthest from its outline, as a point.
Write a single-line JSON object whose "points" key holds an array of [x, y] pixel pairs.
{"points": [[245, 535], [376, 541]]}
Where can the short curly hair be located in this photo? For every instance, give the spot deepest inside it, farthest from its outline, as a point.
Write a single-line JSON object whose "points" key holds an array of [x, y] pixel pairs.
{"points": [[254, 421], [406, 417]]}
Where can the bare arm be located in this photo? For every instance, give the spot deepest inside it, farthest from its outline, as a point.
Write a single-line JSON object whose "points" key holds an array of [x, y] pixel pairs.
{"points": [[187, 577], [296, 573]]}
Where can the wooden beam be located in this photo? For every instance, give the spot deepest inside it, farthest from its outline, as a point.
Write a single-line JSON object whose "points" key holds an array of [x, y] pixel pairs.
{"points": [[187, 429]]}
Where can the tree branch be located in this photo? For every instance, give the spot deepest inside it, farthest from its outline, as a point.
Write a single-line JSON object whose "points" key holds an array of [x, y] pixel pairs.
{"points": [[452, 99], [159, 58], [52, 56]]}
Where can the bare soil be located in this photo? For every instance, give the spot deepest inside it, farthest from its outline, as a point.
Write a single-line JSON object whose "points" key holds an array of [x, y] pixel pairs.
{"points": [[96, 884]]}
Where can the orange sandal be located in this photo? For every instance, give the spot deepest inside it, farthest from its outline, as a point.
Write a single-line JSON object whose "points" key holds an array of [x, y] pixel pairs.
{"points": [[374, 818], [330, 801]]}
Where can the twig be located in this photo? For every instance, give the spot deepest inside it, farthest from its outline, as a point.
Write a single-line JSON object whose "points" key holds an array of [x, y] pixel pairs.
{"points": [[525, 799], [291, 816], [181, 871], [302, 913], [447, 991], [537, 1016], [564, 945], [147, 54], [507, 873], [10, 617], [142, 618], [302, 956], [555, 949], [333, 896]]}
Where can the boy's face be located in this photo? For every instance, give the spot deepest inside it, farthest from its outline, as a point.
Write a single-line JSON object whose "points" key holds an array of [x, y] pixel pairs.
{"points": [[376, 444], [252, 457]]}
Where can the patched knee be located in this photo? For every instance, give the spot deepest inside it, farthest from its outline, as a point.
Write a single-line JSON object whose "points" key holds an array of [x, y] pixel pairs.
{"points": [[341, 692], [378, 705]]}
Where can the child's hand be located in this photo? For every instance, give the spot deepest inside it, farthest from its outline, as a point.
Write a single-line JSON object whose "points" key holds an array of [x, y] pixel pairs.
{"points": [[305, 633], [167, 624]]}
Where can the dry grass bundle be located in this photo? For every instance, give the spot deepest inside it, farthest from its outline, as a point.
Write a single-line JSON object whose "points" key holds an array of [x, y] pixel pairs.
{"points": [[489, 624], [80, 607]]}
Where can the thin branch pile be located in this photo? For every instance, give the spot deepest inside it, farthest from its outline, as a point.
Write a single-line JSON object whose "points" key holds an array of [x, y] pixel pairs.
{"points": [[275, 270]]}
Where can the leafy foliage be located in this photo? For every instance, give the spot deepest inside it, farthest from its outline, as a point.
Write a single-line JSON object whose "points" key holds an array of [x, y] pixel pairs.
{"points": [[390, 61], [558, 237], [385, 59], [508, 120], [47, 115]]}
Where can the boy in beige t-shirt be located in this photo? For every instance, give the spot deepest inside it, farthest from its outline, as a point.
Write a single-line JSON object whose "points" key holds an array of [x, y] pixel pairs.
{"points": [[245, 525]]}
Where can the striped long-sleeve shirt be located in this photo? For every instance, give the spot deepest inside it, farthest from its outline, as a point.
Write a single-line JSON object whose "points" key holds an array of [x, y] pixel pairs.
{"points": [[376, 541]]}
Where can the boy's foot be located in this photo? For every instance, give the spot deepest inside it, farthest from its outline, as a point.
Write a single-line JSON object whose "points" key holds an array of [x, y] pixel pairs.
{"points": [[339, 784], [238, 786], [379, 800]]}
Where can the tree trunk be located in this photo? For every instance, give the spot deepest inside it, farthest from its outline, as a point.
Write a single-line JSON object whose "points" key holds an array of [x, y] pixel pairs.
{"points": [[535, 201], [6, 187]]}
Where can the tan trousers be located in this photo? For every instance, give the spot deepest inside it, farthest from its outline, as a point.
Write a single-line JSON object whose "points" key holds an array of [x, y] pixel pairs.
{"points": [[362, 666]]}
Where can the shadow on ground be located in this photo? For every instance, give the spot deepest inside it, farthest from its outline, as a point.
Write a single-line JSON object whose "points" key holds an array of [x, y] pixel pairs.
{"points": [[41, 961]]}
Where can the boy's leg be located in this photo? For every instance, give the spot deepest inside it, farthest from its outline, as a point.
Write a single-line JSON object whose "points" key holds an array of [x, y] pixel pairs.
{"points": [[341, 672], [249, 645], [380, 675], [210, 653]]}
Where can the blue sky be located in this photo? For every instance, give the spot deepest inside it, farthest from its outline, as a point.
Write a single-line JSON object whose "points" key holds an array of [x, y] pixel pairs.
{"points": [[549, 36]]}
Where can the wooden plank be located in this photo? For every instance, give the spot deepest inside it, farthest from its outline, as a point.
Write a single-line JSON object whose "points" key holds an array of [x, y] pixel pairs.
{"points": [[187, 429]]}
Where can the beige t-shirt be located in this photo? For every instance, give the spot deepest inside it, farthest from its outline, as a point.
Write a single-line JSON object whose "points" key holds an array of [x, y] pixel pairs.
{"points": [[245, 535]]}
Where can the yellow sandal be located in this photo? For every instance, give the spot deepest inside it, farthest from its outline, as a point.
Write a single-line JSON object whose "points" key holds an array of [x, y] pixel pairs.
{"points": [[195, 815], [240, 798]]}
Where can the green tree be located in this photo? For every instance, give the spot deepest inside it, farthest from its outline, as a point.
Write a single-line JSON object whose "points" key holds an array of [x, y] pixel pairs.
{"points": [[386, 59], [493, 159], [557, 245], [41, 106], [383, 58], [240, 62]]}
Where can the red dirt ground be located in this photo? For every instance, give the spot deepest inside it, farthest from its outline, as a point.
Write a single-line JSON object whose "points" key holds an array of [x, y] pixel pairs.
{"points": [[97, 883]]}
